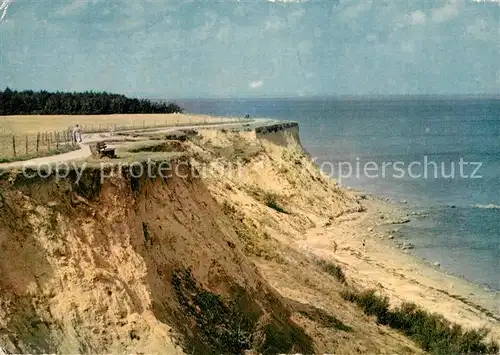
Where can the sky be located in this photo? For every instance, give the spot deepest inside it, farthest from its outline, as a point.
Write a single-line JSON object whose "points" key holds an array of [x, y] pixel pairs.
{"points": [[252, 48]]}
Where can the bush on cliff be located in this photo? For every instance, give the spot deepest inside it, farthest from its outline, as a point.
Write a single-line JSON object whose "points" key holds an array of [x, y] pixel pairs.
{"points": [[270, 200], [332, 269], [431, 331]]}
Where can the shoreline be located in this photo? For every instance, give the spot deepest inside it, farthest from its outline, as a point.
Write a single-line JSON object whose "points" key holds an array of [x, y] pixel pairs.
{"points": [[380, 264], [400, 239], [369, 259]]}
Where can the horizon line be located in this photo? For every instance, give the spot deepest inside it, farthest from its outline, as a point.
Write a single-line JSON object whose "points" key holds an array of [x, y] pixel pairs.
{"points": [[341, 97]]}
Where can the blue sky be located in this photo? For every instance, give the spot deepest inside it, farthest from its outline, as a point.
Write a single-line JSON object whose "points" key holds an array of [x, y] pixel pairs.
{"points": [[247, 48]]}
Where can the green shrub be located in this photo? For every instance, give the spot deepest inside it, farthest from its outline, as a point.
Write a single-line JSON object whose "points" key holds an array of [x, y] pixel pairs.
{"points": [[222, 325], [234, 323], [332, 269], [431, 331], [270, 201]]}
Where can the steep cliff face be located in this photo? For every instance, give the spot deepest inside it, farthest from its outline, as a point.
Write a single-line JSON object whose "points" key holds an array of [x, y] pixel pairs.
{"points": [[129, 266], [176, 265], [260, 173]]}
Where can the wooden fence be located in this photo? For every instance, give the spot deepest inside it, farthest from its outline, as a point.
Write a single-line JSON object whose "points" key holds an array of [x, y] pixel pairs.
{"points": [[149, 124], [19, 145]]}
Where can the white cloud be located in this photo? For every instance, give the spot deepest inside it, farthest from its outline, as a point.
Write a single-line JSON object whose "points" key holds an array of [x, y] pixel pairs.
{"points": [[287, 1], [354, 11], [446, 12], [3, 7], [417, 18], [256, 84]]}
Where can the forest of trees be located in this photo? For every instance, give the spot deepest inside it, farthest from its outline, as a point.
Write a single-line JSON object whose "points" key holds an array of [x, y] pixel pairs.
{"points": [[86, 103]]}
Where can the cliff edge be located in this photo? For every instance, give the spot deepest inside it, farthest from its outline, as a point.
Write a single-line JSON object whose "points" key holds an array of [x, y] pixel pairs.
{"points": [[204, 260]]}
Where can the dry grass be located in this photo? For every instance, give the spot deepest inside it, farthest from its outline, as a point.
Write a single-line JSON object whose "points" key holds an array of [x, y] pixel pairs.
{"points": [[26, 144], [41, 153], [34, 124], [26, 128]]}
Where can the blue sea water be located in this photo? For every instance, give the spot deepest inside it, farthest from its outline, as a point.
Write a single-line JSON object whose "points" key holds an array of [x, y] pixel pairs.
{"points": [[439, 133]]}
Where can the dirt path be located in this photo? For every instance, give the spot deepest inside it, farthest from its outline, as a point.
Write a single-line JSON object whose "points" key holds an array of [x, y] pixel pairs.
{"points": [[84, 151]]}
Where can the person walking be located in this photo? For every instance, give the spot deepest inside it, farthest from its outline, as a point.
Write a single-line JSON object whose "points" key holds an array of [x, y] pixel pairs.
{"points": [[77, 134]]}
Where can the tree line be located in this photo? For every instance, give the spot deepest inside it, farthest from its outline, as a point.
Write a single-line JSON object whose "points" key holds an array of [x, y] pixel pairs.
{"points": [[29, 102]]}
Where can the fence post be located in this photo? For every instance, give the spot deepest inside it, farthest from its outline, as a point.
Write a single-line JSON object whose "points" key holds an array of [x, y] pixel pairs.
{"points": [[37, 141], [49, 138], [27, 149], [57, 140], [14, 144]]}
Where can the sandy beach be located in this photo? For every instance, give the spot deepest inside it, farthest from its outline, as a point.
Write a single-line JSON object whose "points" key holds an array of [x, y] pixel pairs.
{"points": [[382, 265]]}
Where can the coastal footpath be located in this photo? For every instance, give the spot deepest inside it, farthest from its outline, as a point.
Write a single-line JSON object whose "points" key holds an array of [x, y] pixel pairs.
{"points": [[243, 247]]}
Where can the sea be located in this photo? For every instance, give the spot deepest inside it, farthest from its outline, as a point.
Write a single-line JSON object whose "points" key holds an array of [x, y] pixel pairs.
{"points": [[438, 155]]}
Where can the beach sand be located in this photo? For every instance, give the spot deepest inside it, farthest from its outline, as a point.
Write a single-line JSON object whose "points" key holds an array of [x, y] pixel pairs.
{"points": [[381, 265]]}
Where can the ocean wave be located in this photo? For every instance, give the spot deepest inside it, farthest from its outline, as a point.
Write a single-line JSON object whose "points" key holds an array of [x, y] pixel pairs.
{"points": [[491, 206]]}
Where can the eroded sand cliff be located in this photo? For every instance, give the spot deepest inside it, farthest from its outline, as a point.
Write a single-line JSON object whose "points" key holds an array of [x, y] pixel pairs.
{"points": [[221, 257]]}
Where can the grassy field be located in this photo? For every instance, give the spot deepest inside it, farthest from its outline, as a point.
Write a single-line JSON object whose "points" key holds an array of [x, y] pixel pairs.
{"points": [[49, 131], [28, 145], [35, 124]]}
